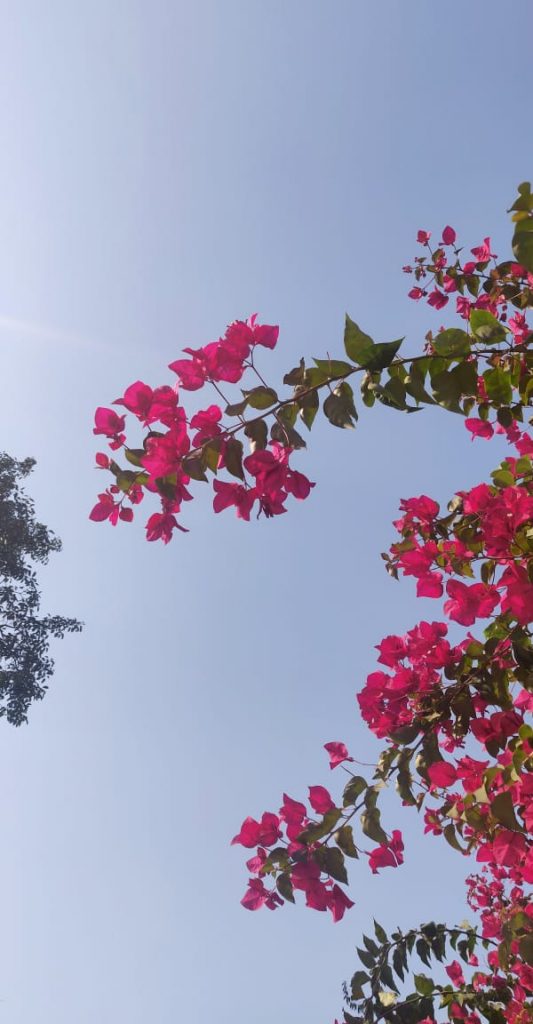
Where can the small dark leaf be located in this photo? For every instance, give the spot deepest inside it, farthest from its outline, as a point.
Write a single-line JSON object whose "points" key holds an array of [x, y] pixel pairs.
{"points": [[332, 862], [345, 841], [295, 376], [237, 408], [366, 958], [257, 432], [503, 810], [353, 789], [284, 887], [261, 398], [370, 823], [339, 407], [233, 458], [359, 979], [193, 467], [423, 984]]}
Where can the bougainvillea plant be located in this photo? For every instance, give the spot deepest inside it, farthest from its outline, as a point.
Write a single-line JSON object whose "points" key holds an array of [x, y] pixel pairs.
{"points": [[453, 715]]}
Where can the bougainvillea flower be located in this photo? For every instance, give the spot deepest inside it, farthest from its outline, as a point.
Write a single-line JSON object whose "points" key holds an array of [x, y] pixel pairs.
{"points": [[468, 603], [338, 753], [228, 495], [387, 855], [320, 799], [437, 299], [448, 236], [483, 252], [479, 428], [108, 422]]}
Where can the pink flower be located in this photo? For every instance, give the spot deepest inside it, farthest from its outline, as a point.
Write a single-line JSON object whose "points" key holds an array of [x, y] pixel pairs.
{"points": [[161, 525], [437, 299], [206, 423], [106, 508], [483, 252], [337, 754], [191, 373], [228, 494], [430, 585], [423, 237], [320, 799], [338, 903], [416, 293], [448, 236], [257, 896], [463, 307], [468, 603], [442, 774], [479, 428], [108, 422], [455, 973], [388, 855]]}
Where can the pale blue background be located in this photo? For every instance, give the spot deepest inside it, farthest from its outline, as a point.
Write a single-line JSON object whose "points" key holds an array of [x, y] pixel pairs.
{"points": [[167, 167]]}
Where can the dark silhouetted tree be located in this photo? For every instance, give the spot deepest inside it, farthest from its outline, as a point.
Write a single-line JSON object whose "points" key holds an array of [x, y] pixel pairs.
{"points": [[25, 663]]}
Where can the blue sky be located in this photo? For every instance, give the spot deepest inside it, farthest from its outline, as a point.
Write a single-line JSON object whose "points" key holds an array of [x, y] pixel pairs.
{"points": [[168, 167]]}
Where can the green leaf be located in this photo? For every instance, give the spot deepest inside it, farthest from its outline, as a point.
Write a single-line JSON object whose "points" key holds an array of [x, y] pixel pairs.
{"points": [[526, 949], [126, 478], [452, 342], [523, 242], [261, 397], [286, 435], [371, 945], [525, 198], [193, 467], [381, 934], [237, 408], [339, 407], [451, 385], [423, 984], [383, 354], [424, 951], [358, 345], [451, 838], [135, 455], [398, 962], [211, 454], [308, 405], [284, 887], [392, 393], [257, 432], [344, 839], [371, 825], [296, 376], [233, 458], [332, 862], [498, 386], [315, 832], [333, 367], [366, 958], [353, 789], [486, 328], [503, 810], [359, 979]]}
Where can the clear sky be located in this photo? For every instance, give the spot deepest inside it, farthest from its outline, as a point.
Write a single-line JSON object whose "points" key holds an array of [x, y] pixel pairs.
{"points": [[168, 167]]}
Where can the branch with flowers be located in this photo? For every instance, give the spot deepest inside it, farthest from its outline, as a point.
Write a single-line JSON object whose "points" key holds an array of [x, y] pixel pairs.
{"points": [[453, 715]]}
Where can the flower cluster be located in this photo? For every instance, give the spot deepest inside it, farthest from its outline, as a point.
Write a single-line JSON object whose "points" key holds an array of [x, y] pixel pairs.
{"points": [[304, 848], [191, 446], [441, 273]]}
